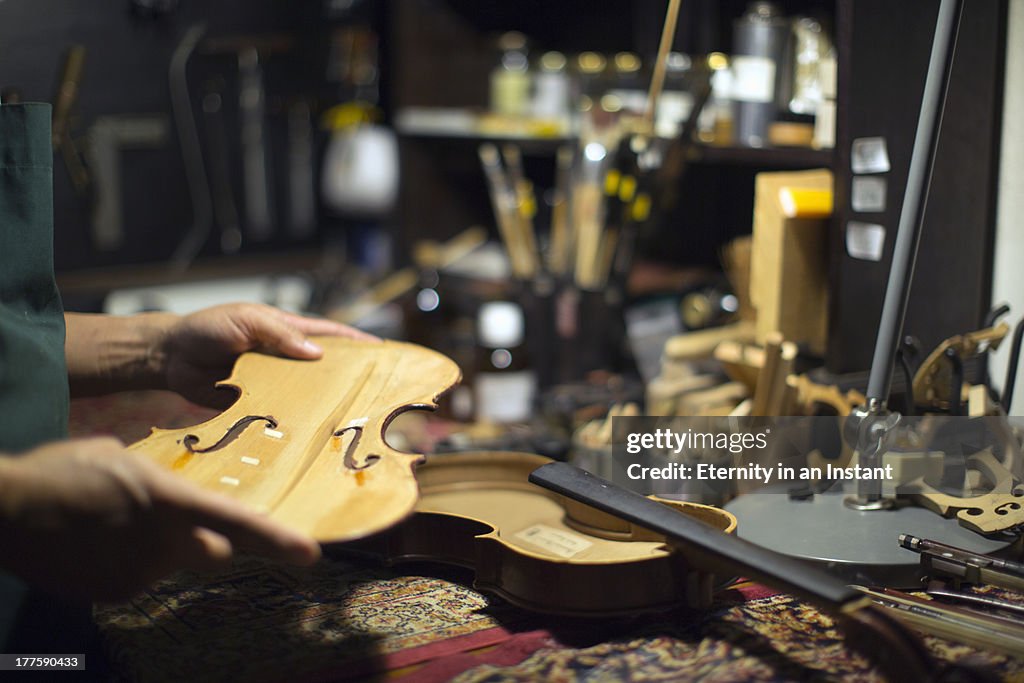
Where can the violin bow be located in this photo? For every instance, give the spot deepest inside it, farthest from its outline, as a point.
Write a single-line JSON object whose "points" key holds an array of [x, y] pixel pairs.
{"points": [[870, 631]]}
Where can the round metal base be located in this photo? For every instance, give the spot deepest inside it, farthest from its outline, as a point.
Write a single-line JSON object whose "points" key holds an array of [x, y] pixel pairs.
{"points": [[858, 503], [857, 546]]}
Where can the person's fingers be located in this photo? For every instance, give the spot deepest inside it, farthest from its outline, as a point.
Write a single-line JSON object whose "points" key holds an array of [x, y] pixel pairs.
{"points": [[257, 534], [324, 327], [269, 330], [206, 551], [240, 526], [97, 444], [286, 333], [179, 545]]}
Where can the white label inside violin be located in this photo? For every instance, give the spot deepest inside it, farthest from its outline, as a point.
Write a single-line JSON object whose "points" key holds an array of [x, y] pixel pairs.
{"points": [[558, 541]]}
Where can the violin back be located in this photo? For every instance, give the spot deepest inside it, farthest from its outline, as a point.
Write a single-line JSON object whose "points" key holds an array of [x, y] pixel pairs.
{"points": [[304, 442], [539, 550]]}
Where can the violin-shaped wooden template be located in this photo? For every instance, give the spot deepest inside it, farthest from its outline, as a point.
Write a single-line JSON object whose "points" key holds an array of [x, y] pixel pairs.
{"points": [[304, 442]]}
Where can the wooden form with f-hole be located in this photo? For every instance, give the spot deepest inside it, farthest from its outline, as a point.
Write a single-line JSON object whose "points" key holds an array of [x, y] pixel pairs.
{"points": [[933, 379], [999, 510], [304, 441]]}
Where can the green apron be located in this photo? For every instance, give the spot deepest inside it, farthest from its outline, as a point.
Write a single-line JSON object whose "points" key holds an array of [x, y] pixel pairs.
{"points": [[33, 373]]}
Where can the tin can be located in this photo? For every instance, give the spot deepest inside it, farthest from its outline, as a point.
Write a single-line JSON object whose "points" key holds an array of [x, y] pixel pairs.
{"points": [[760, 42]]}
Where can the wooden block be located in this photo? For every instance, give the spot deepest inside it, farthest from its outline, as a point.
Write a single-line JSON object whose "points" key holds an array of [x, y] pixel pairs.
{"points": [[742, 362], [720, 400], [788, 279], [736, 263], [978, 402], [810, 395], [743, 409], [663, 395], [701, 344], [782, 399], [773, 395], [766, 379]]}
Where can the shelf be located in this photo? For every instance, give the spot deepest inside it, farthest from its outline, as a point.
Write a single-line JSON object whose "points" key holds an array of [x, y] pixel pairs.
{"points": [[466, 124], [102, 280]]}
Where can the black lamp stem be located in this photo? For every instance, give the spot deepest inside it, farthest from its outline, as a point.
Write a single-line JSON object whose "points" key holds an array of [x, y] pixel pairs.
{"points": [[915, 198]]}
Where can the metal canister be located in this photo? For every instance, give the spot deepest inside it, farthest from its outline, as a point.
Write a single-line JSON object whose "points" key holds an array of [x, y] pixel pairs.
{"points": [[760, 41]]}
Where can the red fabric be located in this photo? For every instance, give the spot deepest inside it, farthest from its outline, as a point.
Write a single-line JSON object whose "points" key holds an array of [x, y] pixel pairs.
{"points": [[514, 649]]}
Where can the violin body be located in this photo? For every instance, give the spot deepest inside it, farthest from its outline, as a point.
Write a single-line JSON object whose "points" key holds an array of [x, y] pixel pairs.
{"points": [[537, 549], [304, 441]]}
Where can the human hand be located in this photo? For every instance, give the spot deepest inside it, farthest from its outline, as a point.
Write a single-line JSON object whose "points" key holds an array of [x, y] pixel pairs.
{"points": [[90, 521], [199, 350]]}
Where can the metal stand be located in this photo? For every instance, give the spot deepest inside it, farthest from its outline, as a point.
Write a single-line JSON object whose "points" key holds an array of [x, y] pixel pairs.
{"points": [[857, 535]]}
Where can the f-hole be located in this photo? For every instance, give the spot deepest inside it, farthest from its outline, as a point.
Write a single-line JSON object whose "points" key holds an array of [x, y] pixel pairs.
{"points": [[190, 440], [349, 459]]}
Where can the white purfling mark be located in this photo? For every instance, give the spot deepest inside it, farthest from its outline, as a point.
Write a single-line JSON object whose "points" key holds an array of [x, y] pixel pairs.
{"points": [[273, 433], [230, 481], [250, 461], [358, 422]]}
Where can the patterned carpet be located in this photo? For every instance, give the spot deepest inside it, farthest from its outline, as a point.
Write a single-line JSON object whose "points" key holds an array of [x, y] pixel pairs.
{"points": [[266, 622], [344, 620], [773, 638]]}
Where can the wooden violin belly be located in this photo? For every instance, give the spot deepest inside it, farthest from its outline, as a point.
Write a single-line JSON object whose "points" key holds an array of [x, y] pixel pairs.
{"points": [[535, 525], [304, 442]]}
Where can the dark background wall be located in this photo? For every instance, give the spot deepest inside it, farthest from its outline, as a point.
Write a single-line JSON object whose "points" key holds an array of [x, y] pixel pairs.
{"points": [[126, 72], [890, 46]]}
